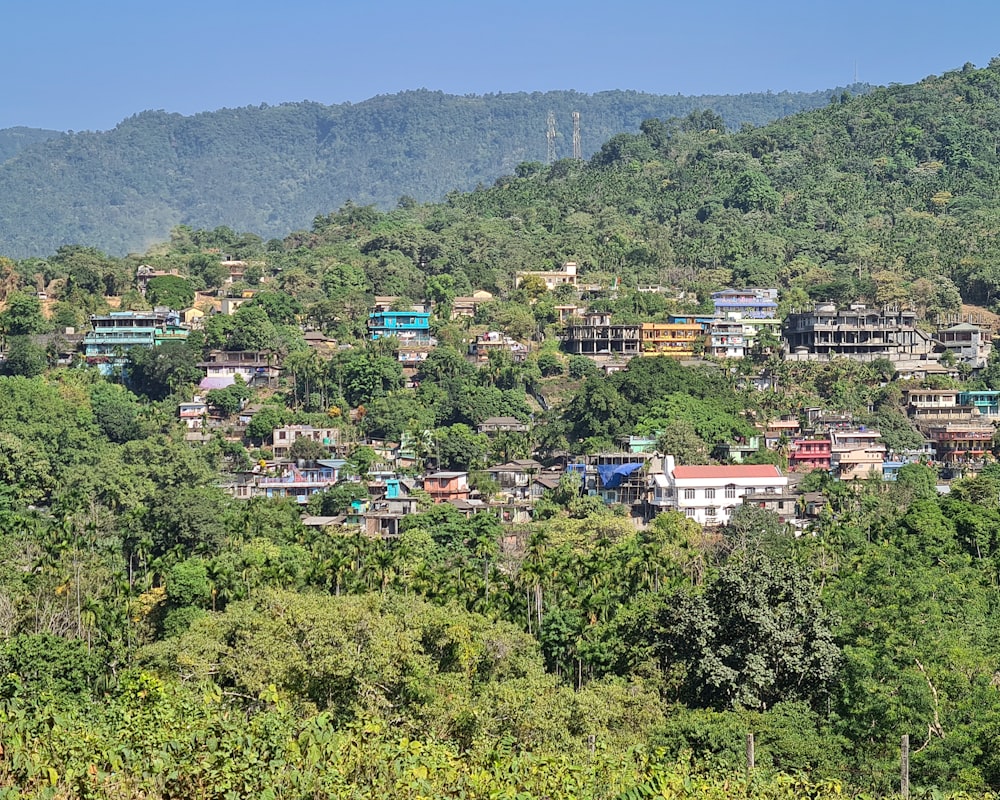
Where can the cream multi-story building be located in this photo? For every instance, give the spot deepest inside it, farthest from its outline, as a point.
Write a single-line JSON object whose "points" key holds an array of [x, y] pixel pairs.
{"points": [[551, 278]]}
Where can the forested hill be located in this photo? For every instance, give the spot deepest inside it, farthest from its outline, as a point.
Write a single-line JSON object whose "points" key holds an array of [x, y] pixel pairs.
{"points": [[14, 140], [272, 169], [893, 197]]}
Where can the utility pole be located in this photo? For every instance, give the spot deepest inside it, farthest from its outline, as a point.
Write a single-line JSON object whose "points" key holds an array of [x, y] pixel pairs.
{"points": [[550, 137]]}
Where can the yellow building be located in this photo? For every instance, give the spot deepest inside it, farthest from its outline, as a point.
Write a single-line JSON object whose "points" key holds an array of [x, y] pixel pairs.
{"points": [[674, 339]]}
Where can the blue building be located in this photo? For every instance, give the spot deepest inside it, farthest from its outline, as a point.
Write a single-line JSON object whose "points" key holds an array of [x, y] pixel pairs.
{"points": [[106, 346], [985, 401], [405, 325], [749, 303]]}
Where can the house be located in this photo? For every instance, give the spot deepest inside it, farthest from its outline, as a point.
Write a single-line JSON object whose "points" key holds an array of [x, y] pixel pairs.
{"points": [[733, 335], [408, 324], [447, 486], [969, 343], [784, 503], [256, 367], [193, 413], [750, 303], [961, 442], [552, 278], [411, 328], [288, 480], [237, 269], [856, 453], [145, 273], [465, 307], [106, 346], [935, 404], [810, 453], [321, 344], [619, 478], [540, 484], [984, 402], [491, 426], [739, 451], [780, 431], [857, 333], [469, 508], [392, 502], [496, 342], [569, 311], [193, 318], [63, 345], [709, 494], [675, 339], [920, 370], [514, 478], [284, 437], [229, 305], [727, 339]]}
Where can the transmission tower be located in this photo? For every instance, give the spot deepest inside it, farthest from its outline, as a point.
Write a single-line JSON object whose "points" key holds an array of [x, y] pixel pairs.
{"points": [[577, 150], [550, 137]]}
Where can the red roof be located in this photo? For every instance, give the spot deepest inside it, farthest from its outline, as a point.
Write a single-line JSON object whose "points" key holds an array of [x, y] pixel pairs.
{"points": [[733, 471]]}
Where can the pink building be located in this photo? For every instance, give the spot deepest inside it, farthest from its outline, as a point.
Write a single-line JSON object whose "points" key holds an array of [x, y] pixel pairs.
{"points": [[809, 454]]}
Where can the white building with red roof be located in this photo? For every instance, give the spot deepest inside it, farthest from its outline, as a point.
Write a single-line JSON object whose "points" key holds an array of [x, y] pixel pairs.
{"points": [[708, 494]]}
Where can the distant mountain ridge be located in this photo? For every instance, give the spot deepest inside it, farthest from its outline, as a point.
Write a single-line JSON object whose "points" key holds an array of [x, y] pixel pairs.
{"points": [[271, 169], [14, 140]]}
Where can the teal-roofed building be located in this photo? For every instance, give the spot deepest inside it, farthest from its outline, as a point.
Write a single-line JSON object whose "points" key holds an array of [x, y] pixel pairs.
{"points": [[406, 325], [106, 346], [985, 401]]}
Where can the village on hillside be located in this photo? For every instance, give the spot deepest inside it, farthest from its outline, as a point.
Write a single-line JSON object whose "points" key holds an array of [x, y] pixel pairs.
{"points": [[742, 335]]}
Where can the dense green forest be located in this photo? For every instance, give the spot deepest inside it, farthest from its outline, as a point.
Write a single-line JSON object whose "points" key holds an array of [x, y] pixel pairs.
{"points": [[271, 169], [14, 140], [158, 638]]}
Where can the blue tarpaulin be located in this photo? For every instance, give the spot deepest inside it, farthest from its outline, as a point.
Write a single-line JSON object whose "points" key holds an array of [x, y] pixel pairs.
{"points": [[612, 474]]}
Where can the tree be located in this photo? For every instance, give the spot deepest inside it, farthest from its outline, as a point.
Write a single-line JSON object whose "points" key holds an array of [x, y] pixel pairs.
{"points": [[160, 371], [188, 520], [171, 291], [24, 357], [368, 376], [117, 412], [281, 308], [263, 423], [753, 192], [307, 449], [251, 329], [680, 440], [757, 636], [23, 315], [457, 447]]}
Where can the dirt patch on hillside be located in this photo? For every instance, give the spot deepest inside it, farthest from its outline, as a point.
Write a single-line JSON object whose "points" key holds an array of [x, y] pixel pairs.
{"points": [[981, 316]]}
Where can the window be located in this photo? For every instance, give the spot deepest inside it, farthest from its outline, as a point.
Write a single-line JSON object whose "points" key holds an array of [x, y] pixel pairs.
{"points": [[689, 494], [689, 512], [710, 494], [731, 491], [711, 511]]}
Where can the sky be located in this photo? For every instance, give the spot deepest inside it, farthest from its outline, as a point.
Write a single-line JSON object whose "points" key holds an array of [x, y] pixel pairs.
{"points": [[72, 65]]}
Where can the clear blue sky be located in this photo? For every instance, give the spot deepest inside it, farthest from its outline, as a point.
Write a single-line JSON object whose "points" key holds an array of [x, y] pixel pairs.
{"points": [[71, 65]]}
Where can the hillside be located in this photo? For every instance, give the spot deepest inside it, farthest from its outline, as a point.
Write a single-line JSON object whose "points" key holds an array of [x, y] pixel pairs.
{"points": [[214, 594], [887, 197], [272, 169], [14, 140]]}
